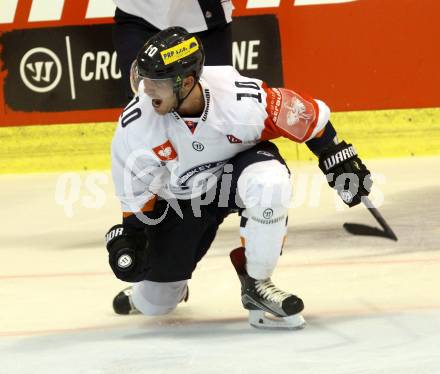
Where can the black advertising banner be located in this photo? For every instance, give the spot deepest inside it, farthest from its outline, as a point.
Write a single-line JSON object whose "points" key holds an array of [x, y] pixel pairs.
{"points": [[61, 68], [257, 48], [68, 68]]}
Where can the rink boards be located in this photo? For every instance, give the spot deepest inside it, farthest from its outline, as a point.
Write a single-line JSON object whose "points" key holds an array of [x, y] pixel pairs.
{"points": [[375, 134]]}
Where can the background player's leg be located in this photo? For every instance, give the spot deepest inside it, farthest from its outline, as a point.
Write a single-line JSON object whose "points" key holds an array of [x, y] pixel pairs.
{"points": [[218, 45], [129, 34]]}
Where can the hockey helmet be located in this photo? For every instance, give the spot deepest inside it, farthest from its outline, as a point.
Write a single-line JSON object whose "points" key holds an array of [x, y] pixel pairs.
{"points": [[169, 56]]}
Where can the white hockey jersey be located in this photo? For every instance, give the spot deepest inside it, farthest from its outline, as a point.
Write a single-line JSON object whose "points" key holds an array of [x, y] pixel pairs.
{"points": [[155, 154]]}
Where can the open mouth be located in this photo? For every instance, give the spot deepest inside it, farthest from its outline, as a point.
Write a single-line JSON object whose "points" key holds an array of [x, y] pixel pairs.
{"points": [[156, 103]]}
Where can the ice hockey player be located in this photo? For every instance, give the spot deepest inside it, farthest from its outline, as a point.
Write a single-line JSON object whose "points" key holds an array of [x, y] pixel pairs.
{"points": [[192, 147]]}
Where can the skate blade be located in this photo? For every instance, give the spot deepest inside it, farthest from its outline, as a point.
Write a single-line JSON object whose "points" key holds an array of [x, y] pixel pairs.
{"points": [[262, 320]]}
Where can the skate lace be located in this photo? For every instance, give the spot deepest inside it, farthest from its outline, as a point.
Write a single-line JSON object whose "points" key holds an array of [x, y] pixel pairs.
{"points": [[270, 292]]}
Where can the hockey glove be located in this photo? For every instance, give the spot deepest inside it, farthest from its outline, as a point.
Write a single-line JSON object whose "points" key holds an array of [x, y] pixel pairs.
{"points": [[345, 172], [127, 253]]}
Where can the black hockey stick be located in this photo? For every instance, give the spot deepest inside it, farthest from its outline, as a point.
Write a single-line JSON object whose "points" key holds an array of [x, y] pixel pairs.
{"points": [[360, 229]]}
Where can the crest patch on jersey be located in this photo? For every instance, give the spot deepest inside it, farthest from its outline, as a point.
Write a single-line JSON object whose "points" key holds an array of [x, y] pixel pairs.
{"points": [[291, 112], [165, 151], [179, 51], [232, 139]]}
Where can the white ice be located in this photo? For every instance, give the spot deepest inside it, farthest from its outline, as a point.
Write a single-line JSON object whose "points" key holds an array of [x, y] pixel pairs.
{"points": [[372, 305]]}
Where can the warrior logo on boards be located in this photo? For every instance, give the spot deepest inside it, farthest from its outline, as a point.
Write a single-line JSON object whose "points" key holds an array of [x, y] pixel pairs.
{"points": [[40, 69]]}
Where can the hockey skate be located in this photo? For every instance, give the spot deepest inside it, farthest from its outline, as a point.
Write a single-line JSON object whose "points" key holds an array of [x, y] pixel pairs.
{"points": [[123, 304], [268, 306]]}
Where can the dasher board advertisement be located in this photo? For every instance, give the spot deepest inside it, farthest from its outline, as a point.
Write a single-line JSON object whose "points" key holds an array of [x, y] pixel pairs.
{"points": [[58, 63]]}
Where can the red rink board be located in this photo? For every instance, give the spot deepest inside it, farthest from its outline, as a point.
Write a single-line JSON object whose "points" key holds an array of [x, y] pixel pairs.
{"points": [[358, 55]]}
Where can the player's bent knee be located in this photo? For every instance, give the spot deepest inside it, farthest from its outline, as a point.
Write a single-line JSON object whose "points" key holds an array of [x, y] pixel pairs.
{"points": [[158, 298], [265, 183]]}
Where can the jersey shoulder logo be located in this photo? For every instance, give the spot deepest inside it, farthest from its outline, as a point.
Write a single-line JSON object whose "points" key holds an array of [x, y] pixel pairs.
{"points": [[232, 139], [165, 151], [291, 112]]}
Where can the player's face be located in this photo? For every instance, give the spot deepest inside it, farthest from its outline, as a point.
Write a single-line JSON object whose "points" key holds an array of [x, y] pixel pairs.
{"points": [[161, 93]]}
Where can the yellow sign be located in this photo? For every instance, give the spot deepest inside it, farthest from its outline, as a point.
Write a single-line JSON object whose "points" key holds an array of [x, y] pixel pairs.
{"points": [[179, 51]]}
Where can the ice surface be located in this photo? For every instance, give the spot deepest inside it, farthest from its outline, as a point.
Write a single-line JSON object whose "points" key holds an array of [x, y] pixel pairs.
{"points": [[372, 305]]}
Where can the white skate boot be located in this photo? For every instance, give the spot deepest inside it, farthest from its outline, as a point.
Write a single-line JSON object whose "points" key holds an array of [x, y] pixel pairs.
{"points": [[269, 307]]}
